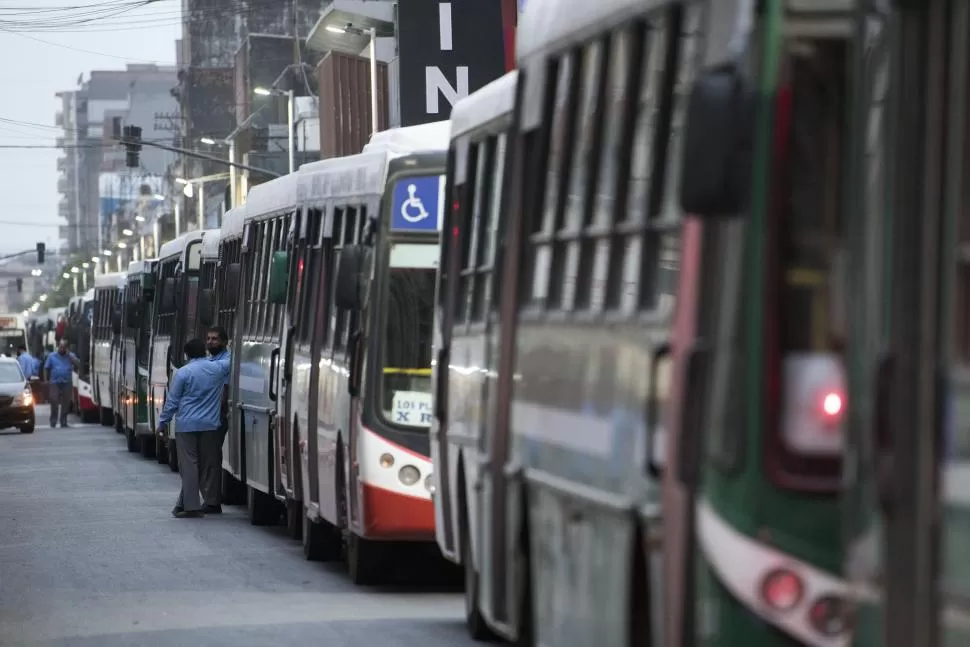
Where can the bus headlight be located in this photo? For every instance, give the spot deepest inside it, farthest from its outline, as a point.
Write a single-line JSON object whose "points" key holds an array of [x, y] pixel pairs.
{"points": [[409, 475], [387, 461], [429, 484]]}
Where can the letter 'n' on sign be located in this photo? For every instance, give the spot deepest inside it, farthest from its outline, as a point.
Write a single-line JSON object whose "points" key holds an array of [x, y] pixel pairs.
{"points": [[436, 84]]}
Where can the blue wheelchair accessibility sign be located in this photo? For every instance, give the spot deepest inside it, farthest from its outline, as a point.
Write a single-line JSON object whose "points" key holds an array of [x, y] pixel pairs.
{"points": [[417, 203]]}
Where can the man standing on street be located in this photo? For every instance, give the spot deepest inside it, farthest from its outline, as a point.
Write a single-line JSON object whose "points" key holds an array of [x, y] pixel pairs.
{"points": [[216, 341], [195, 398], [27, 363], [60, 375]]}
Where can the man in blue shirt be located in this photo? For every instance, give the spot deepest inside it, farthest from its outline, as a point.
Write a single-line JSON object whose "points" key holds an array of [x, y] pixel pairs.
{"points": [[60, 376], [216, 340], [194, 398], [27, 362]]}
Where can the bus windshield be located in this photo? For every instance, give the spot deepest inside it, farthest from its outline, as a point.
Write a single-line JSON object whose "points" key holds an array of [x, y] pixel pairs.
{"points": [[405, 391], [10, 340]]}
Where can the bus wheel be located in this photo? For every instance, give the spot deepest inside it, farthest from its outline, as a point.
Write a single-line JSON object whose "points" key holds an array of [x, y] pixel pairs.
{"points": [[119, 425], [322, 542], [294, 519], [640, 611], [147, 446], [106, 417], [525, 636], [131, 440], [477, 629], [262, 508], [363, 560], [173, 455], [161, 451], [231, 490]]}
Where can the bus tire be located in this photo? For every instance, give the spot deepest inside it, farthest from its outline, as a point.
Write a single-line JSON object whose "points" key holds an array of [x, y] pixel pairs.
{"points": [[294, 519], [131, 440], [173, 455], [90, 416], [363, 560], [106, 416], [147, 446], [261, 508], [231, 490], [477, 627], [641, 613], [322, 542], [525, 634], [161, 451], [119, 424]]}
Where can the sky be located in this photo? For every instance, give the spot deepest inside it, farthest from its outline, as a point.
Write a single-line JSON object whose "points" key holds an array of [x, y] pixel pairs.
{"points": [[44, 46]]}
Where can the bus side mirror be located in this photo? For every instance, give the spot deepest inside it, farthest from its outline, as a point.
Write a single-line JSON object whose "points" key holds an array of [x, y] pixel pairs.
{"points": [[116, 321], [168, 295], [207, 307], [232, 284], [279, 277], [349, 267], [718, 144]]}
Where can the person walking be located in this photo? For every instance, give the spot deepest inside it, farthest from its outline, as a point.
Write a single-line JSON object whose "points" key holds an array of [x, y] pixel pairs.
{"points": [[27, 363], [216, 342], [194, 398], [59, 367]]}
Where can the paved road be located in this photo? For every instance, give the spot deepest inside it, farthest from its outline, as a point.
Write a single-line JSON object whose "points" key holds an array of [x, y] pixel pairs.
{"points": [[90, 556]]}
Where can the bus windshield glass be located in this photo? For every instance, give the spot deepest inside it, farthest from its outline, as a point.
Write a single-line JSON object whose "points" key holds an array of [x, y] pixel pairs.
{"points": [[405, 391], [10, 340]]}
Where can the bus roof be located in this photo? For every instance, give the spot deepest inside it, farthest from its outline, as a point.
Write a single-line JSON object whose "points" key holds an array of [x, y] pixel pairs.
{"points": [[411, 139], [210, 243], [110, 280], [176, 246], [270, 198], [493, 101], [365, 173], [141, 267], [549, 25], [232, 222]]}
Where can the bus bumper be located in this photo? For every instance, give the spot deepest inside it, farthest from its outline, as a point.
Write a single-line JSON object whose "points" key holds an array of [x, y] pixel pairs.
{"points": [[395, 516]]}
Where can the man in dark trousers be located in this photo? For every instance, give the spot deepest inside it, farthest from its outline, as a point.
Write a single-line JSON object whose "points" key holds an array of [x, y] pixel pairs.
{"points": [[59, 368], [216, 342], [195, 399]]}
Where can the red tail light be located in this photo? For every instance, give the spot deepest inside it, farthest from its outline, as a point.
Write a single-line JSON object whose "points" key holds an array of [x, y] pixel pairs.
{"points": [[832, 404], [782, 590]]}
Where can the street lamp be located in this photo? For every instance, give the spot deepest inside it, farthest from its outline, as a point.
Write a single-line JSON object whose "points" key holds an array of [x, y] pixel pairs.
{"points": [[75, 270], [290, 126], [95, 259], [65, 275], [127, 232], [85, 265], [122, 244], [43, 297], [208, 141]]}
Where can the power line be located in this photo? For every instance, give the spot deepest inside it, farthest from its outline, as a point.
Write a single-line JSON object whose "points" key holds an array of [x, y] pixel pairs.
{"points": [[85, 51]]}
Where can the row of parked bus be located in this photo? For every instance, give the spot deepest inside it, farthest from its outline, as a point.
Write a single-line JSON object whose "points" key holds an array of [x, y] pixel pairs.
{"points": [[635, 337]]}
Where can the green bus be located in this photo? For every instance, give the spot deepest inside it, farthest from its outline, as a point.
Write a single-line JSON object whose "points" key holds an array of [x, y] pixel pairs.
{"points": [[136, 334], [816, 466]]}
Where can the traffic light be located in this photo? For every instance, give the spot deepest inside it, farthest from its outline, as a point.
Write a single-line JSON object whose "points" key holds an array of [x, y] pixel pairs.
{"points": [[41, 249], [20, 285], [132, 140]]}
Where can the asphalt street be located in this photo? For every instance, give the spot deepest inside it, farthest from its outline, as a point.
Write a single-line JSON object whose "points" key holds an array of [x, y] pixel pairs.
{"points": [[90, 556]]}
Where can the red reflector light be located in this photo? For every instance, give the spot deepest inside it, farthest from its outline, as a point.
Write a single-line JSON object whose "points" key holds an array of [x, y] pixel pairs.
{"points": [[300, 267], [832, 404], [782, 590]]}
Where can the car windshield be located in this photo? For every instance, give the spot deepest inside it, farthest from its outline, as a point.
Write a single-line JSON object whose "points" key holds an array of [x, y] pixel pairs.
{"points": [[10, 372], [406, 383]]}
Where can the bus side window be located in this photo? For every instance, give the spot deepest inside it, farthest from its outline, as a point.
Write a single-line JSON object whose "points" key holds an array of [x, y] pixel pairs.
{"points": [[550, 170], [473, 228], [485, 265]]}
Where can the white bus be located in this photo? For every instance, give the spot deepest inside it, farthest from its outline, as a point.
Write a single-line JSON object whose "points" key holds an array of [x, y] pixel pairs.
{"points": [[13, 333], [563, 300], [174, 312], [104, 341], [480, 126], [80, 322]]}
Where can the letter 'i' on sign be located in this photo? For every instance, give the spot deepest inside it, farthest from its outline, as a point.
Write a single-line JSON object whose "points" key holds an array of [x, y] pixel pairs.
{"points": [[435, 82]]}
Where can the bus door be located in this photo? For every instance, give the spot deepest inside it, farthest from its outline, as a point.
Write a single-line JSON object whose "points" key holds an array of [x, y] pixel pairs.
{"points": [[285, 283]]}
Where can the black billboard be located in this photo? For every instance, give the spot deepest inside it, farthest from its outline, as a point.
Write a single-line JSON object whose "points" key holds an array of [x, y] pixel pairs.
{"points": [[446, 51]]}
